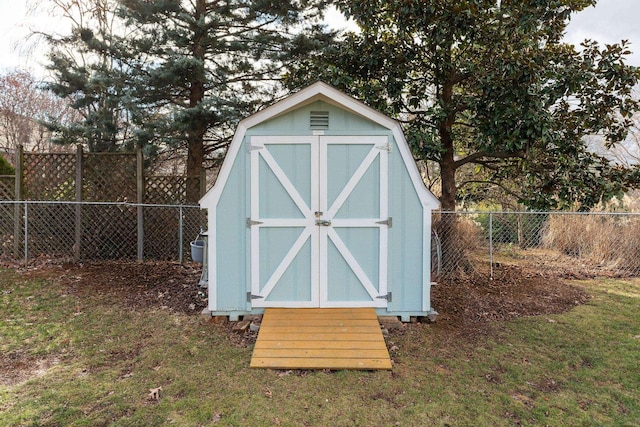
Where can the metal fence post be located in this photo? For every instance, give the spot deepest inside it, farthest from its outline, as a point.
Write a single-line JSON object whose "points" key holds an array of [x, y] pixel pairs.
{"points": [[18, 196], [77, 253], [140, 200], [180, 254], [491, 245], [26, 233]]}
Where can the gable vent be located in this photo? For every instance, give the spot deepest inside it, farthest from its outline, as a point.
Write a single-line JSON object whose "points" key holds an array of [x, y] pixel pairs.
{"points": [[319, 120]]}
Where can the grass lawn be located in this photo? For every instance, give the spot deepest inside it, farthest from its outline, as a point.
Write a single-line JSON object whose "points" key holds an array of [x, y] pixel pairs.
{"points": [[76, 360]]}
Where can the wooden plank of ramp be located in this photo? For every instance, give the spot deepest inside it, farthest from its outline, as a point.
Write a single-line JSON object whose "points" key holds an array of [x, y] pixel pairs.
{"points": [[320, 338]]}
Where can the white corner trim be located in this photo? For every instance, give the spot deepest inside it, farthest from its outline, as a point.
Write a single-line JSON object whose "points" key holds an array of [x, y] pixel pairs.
{"points": [[212, 265]]}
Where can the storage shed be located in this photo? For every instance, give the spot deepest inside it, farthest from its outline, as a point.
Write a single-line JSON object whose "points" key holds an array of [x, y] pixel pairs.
{"points": [[319, 204]]}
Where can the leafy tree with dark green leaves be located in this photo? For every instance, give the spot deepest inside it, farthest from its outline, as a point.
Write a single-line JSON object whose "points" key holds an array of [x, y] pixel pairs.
{"points": [[195, 68], [490, 92]]}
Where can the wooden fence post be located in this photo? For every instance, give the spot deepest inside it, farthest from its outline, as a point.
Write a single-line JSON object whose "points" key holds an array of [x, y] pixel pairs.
{"points": [[140, 200], [17, 223], [77, 247]]}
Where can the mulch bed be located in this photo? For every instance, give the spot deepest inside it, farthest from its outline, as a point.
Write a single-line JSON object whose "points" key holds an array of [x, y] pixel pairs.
{"points": [[513, 292], [467, 304], [475, 306], [135, 285]]}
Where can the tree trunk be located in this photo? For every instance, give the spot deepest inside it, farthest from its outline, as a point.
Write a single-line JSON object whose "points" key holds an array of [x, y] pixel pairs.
{"points": [[448, 162], [195, 135], [448, 176], [454, 246], [453, 249], [195, 158]]}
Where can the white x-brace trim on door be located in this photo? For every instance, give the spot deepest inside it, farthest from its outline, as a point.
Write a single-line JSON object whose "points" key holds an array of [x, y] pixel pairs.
{"points": [[319, 235]]}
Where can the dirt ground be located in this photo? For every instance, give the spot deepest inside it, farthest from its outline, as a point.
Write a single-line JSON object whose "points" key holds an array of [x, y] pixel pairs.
{"points": [[465, 304]]}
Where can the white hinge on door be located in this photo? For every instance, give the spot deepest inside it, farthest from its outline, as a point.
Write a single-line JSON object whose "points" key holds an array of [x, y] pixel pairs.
{"points": [[388, 222], [251, 148], [251, 222]]}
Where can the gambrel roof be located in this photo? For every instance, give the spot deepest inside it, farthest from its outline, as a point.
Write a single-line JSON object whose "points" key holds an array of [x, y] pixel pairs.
{"points": [[320, 91]]}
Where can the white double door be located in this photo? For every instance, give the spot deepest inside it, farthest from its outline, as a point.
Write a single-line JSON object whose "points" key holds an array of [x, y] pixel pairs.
{"points": [[319, 221]]}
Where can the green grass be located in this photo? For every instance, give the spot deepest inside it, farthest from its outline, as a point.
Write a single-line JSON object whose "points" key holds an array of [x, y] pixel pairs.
{"points": [[97, 362]]}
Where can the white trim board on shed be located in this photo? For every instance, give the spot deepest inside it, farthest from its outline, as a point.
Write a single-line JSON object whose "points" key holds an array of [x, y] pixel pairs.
{"points": [[319, 204]]}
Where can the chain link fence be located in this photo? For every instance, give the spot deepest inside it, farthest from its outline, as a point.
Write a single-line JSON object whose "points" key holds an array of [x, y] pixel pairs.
{"points": [[463, 243], [570, 243], [98, 231]]}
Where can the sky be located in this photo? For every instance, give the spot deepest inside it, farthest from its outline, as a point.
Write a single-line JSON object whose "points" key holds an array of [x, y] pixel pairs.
{"points": [[609, 22]]}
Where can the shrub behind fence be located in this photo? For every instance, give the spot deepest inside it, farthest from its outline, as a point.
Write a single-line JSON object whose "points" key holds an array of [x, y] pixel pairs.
{"points": [[7, 184], [597, 243]]}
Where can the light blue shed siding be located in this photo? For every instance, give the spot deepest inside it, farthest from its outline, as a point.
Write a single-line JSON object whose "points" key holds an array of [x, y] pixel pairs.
{"points": [[232, 240], [405, 253], [296, 122], [295, 162], [364, 201], [405, 239]]}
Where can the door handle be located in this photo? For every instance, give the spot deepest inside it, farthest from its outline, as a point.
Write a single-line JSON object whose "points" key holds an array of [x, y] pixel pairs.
{"points": [[323, 222]]}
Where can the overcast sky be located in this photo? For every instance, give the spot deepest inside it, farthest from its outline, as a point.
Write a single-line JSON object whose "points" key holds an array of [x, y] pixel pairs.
{"points": [[609, 22]]}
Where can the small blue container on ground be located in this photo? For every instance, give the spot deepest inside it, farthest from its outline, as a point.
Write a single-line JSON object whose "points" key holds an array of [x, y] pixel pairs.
{"points": [[197, 251]]}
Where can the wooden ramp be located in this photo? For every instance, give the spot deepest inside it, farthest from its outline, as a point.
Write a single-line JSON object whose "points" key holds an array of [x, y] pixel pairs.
{"points": [[320, 338]]}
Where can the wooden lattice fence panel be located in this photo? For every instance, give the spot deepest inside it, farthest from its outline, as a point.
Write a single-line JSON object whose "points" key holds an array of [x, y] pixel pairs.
{"points": [[7, 187], [161, 227], [106, 177], [161, 231], [109, 177], [165, 190], [12, 233], [51, 230], [7, 213], [109, 232], [193, 220], [49, 176]]}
